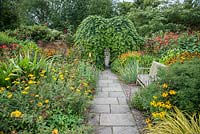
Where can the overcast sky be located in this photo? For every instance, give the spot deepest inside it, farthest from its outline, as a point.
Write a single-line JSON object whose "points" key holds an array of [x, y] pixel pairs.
{"points": [[133, 0]]}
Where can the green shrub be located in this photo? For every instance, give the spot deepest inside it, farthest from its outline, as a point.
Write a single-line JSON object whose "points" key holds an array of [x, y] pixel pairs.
{"points": [[36, 33], [141, 100], [96, 34], [178, 86], [5, 39], [184, 79]]}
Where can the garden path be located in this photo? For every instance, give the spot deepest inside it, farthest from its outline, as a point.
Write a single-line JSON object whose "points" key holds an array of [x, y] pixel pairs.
{"points": [[110, 113]]}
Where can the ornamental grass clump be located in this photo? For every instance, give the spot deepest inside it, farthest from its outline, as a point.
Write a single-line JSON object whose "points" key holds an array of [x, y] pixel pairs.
{"points": [[177, 122]]}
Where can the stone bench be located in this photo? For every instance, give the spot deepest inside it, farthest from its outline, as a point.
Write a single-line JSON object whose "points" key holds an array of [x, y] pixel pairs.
{"points": [[145, 79]]}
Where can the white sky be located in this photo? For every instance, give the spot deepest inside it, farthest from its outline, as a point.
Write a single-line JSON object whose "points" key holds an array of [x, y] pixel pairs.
{"points": [[133, 0]]}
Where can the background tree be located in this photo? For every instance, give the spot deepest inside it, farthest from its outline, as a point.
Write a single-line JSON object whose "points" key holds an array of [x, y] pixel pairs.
{"points": [[9, 17], [103, 8]]}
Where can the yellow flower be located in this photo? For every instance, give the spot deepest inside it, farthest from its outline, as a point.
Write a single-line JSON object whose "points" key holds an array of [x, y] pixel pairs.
{"points": [[16, 114], [8, 87], [17, 82], [30, 75], [155, 115], [55, 131], [42, 75], [7, 79], [162, 114], [165, 94], [168, 106], [26, 88], [43, 71], [148, 120], [2, 89], [24, 92], [172, 92], [9, 95], [78, 90], [165, 85], [39, 104], [46, 101], [152, 103], [31, 82], [155, 97]]}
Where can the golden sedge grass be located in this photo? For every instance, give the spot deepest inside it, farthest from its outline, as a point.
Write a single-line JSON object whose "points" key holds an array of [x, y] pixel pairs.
{"points": [[177, 123]]}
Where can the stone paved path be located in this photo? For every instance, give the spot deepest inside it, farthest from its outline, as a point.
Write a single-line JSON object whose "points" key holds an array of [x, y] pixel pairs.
{"points": [[110, 113]]}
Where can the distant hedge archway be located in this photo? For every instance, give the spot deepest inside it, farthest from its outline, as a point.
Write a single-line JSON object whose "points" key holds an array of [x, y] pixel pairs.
{"points": [[95, 34]]}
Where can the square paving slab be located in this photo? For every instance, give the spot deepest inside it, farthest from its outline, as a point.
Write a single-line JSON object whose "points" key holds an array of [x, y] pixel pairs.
{"points": [[116, 120], [125, 130]]}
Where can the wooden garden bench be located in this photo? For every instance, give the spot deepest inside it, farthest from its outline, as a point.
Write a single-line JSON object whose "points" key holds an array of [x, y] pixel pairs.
{"points": [[145, 79]]}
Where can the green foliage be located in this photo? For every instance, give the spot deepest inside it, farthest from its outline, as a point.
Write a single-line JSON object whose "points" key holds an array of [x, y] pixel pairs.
{"points": [[141, 100], [184, 78], [36, 33], [151, 20], [96, 33], [177, 122], [180, 81], [128, 73], [39, 95], [5, 39], [9, 14], [103, 8]]}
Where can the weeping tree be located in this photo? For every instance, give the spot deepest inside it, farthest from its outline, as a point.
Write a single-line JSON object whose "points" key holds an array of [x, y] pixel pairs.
{"points": [[95, 34]]}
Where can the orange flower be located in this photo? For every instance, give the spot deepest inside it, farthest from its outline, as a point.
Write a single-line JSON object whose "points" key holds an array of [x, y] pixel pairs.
{"points": [[55, 131]]}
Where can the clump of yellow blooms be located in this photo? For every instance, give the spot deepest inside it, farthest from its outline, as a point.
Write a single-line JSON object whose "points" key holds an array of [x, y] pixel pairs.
{"points": [[16, 114], [165, 94], [161, 106], [159, 115]]}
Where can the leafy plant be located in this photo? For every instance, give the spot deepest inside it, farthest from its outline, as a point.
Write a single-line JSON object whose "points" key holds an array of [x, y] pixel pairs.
{"points": [[36, 33], [177, 122], [129, 72], [96, 34]]}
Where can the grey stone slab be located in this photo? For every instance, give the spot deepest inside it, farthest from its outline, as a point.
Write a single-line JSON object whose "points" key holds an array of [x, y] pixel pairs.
{"points": [[112, 89], [100, 109], [103, 130], [105, 81], [125, 130], [120, 109], [122, 101], [105, 101], [117, 120], [114, 85], [93, 119], [117, 94], [101, 95]]}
